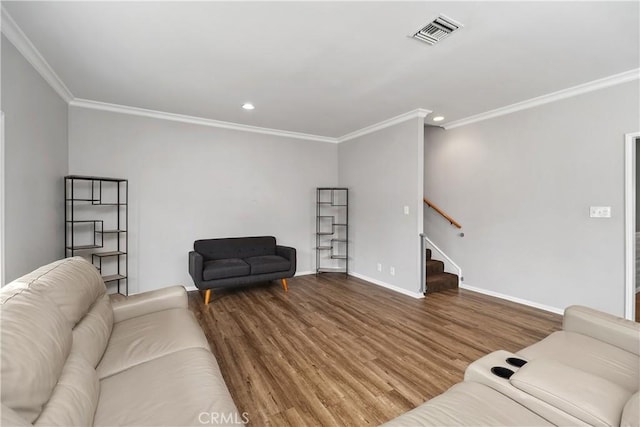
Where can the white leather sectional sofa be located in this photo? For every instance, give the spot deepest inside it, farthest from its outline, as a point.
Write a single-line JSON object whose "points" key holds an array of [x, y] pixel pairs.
{"points": [[71, 357], [586, 374]]}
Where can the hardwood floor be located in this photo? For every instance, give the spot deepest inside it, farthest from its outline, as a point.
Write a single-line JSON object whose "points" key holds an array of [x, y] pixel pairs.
{"points": [[340, 351]]}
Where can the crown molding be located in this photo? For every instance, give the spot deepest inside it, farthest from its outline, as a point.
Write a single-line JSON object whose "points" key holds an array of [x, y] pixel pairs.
{"points": [[591, 86], [419, 112], [123, 109], [18, 38]]}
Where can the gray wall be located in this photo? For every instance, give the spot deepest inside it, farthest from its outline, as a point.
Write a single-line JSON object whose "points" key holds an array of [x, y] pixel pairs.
{"points": [[383, 171], [36, 160], [191, 182], [521, 185]]}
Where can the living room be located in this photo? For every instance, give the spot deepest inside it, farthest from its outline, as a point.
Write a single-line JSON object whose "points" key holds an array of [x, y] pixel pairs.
{"points": [[141, 91]]}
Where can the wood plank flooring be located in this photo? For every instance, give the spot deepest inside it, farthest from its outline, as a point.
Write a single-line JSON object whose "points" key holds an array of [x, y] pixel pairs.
{"points": [[338, 351]]}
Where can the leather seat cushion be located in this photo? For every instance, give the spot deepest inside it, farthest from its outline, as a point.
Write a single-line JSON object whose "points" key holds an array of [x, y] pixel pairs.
{"points": [[143, 338], [181, 389], [590, 398], [268, 264], [469, 404], [589, 355], [225, 268]]}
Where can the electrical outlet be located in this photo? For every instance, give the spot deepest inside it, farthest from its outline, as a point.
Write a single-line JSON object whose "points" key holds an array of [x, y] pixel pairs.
{"points": [[600, 211], [392, 271], [379, 267]]}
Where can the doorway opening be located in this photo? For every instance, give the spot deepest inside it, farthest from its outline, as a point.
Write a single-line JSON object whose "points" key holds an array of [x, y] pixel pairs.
{"points": [[632, 225], [2, 185]]}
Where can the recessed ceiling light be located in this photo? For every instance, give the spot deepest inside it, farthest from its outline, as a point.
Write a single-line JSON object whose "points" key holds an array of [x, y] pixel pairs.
{"points": [[248, 106], [438, 118]]}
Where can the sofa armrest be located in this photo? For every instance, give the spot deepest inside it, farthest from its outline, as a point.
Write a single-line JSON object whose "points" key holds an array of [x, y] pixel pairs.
{"points": [[288, 253], [149, 302], [196, 265], [604, 327]]}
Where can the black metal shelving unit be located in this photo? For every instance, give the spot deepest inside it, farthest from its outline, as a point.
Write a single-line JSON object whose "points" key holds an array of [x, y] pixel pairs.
{"points": [[332, 229], [90, 203]]}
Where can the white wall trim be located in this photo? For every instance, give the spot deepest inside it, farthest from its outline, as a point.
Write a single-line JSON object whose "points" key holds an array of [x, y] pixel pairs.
{"points": [[123, 109], [304, 273], [594, 85], [513, 299], [18, 38], [419, 112], [162, 115], [630, 224], [403, 291]]}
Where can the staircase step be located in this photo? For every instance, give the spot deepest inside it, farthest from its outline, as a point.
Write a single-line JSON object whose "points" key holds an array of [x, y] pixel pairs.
{"points": [[434, 267], [428, 254], [440, 282]]}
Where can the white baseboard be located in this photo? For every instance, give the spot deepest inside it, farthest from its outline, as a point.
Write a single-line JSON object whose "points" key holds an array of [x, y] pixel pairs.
{"points": [[304, 273], [388, 286], [512, 299]]}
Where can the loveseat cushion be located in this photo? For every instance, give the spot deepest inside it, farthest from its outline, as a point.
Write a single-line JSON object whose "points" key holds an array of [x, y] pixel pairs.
{"points": [[91, 334], [225, 268], [235, 247], [268, 264], [141, 339], [75, 397], [181, 389]]}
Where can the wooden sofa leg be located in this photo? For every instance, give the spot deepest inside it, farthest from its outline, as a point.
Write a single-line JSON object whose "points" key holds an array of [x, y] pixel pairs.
{"points": [[284, 285], [207, 296]]}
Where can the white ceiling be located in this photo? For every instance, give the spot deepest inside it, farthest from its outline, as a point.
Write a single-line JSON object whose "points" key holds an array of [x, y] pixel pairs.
{"points": [[326, 68]]}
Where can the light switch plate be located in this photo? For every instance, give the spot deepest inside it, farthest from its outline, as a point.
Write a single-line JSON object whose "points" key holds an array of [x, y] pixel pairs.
{"points": [[600, 211], [406, 210]]}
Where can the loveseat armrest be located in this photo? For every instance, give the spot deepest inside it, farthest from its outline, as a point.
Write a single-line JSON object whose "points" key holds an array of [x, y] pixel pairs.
{"points": [[288, 253], [149, 302], [196, 265], [604, 327]]}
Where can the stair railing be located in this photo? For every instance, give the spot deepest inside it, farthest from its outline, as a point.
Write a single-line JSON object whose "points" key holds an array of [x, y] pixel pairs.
{"points": [[424, 242], [442, 213]]}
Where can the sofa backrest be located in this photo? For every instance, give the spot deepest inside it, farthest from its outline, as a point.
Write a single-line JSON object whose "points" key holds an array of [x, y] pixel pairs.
{"points": [[56, 322], [619, 332], [236, 247]]}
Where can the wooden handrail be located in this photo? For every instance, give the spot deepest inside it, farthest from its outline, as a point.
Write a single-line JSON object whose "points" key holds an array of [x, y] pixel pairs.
{"points": [[443, 213]]}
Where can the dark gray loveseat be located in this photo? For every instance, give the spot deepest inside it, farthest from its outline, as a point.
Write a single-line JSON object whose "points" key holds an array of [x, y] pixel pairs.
{"points": [[238, 261]]}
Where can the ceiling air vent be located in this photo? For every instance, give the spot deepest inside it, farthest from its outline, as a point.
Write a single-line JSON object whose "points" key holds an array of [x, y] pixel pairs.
{"points": [[436, 30]]}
